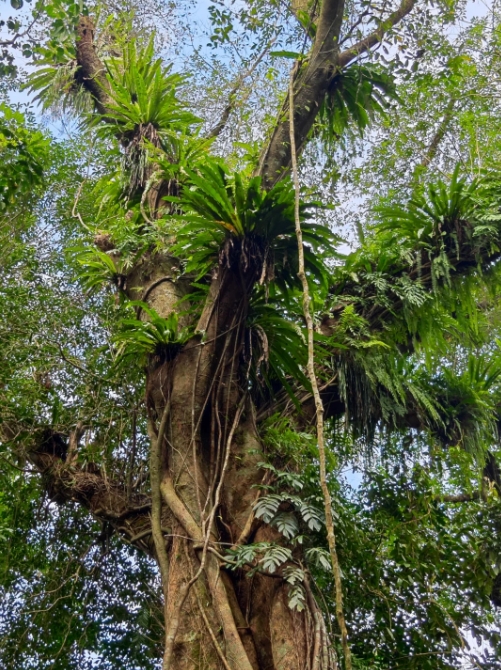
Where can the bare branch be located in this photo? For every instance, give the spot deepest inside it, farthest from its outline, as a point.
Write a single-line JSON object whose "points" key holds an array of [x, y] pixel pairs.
{"points": [[67, 481], [73, 442], [439, 135], [17, 36], [463, 497]]}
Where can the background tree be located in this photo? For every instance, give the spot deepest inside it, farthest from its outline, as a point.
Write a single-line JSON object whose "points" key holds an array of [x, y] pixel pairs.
{"points": [[161, 489]]}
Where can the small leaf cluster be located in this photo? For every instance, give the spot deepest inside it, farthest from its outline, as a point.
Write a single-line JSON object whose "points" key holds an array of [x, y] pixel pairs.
{"points": [[24, 156]]}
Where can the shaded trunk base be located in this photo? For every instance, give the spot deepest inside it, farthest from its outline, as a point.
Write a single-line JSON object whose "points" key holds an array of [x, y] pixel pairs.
{"points": [[272, 636]]}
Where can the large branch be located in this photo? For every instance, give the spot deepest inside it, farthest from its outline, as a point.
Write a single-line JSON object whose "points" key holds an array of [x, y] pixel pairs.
{"points": [[312, 81], [64, 480], [91, 73], [382, 313], [310, 87], [367, 43]]}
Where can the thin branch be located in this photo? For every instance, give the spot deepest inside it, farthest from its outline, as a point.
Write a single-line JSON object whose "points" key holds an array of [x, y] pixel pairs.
{"points": [[75, 213], [17, 36], [145, 533], [232, 98], [438, 136], [462, 497], [366, 44], [73, 442], [359, 20], [16, 467], [76, 365], [329, 521]]}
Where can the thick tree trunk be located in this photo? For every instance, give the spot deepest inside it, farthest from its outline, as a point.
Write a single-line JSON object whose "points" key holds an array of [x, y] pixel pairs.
{"points": [[210, 470], [246, 618]]}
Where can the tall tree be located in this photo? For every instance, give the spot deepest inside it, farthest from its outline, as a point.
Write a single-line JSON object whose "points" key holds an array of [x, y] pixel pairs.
{"points": [[190, 363]]}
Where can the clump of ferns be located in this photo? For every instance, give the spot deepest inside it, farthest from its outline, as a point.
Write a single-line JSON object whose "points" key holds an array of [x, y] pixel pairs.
{"points": [[185, 151], [58, 84], [468, 404], [150, 341], [57, 80], [97, 268], [440, 224], [122, 226], [419, 245], [275, 349], [144, 111], [355, 96], [232, 221]]}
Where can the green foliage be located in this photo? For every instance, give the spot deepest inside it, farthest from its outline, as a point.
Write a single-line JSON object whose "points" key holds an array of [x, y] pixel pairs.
{"points": [[410, 370], [235, 217], [24, 153], [267, 508], [136, 340], [267, 556], [444, 224], [143, 91], [354, 98], [145, 113], [419, 544], [55, 79], [469, 398], [283, 506], [98, 268], [419, 266]]}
